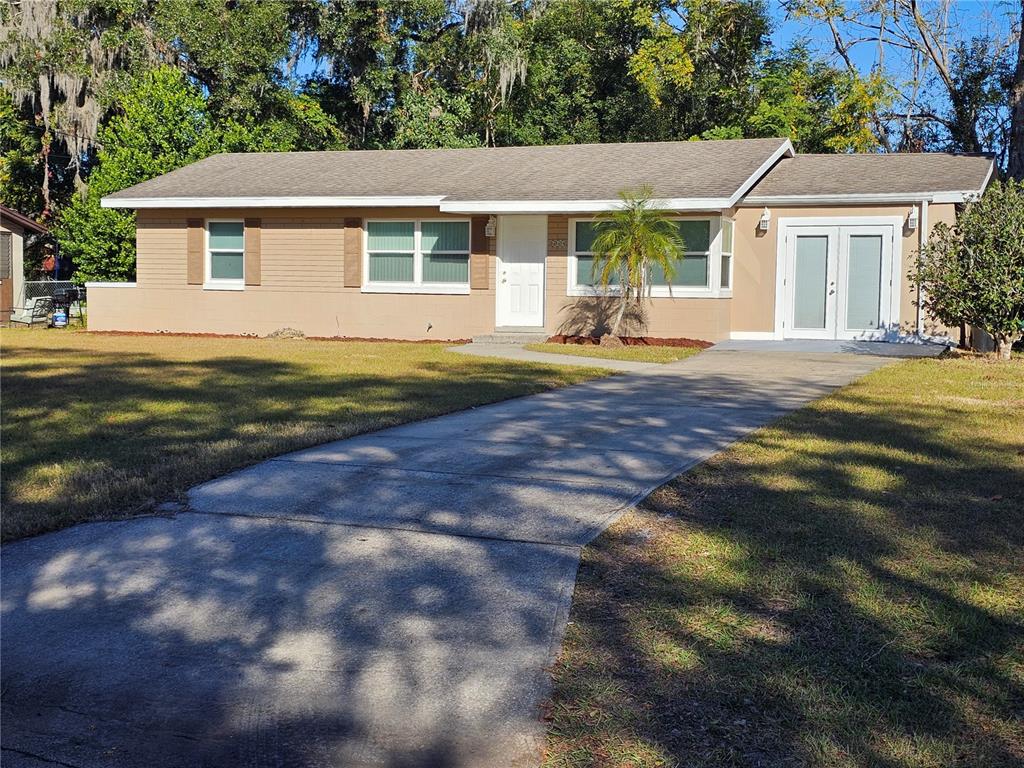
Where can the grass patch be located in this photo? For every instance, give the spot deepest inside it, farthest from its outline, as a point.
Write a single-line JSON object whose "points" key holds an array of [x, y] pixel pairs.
{"points": [[844, 588], [636, 353], [100, 426]]}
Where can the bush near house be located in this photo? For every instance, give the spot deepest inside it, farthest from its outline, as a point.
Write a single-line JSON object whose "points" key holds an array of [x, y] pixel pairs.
{"points": [[973, 272]]}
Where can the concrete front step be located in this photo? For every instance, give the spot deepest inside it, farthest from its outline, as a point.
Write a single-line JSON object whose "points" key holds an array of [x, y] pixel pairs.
{"points": [[512, 337]]}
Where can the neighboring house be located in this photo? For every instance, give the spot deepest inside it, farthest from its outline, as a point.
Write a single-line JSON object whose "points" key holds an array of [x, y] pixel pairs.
{"points": [[455, 243], [13, 229]]}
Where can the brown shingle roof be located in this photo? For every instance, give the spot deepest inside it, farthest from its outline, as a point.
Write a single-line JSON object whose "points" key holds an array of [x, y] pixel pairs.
{"points": [[873, 174], [11, 216], [706, 169]]}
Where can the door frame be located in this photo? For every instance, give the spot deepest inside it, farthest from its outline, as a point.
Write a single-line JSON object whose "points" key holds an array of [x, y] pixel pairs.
{"points": [[889, 331], [503, 234]]}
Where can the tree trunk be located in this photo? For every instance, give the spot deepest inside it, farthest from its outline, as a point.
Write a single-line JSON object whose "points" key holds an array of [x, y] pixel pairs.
{"points": [[963, 336], [618, 318], [1004, 345], [1015, 168], [45, 187]]}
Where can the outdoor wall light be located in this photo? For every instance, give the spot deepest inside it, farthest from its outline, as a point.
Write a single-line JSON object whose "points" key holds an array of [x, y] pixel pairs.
{"points": [[491, 228], [912, 219], [766, 220]]}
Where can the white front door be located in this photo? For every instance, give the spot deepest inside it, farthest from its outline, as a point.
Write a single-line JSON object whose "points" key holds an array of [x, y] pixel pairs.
{"points": [[839, 282], [522, 248]]}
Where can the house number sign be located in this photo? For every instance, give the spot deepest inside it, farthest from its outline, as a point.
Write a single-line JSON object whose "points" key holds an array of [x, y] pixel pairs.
{"points": [[557, 244]]}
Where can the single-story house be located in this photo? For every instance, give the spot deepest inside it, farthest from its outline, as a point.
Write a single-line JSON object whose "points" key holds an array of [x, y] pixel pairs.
{"points": [[14, 227], [454, 243]]}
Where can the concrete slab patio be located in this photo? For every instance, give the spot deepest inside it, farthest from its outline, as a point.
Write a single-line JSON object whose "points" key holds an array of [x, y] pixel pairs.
{"points": [[388, 600]]}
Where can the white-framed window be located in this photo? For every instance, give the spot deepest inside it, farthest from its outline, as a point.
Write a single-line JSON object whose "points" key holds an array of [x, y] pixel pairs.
{"points": [[225, 255], [693, 275], [725, 276], [416, 256]]}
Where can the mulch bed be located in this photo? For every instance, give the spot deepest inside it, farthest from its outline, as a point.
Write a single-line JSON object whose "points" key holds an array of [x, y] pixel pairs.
{"points": [[258, 337], [632, 341]]}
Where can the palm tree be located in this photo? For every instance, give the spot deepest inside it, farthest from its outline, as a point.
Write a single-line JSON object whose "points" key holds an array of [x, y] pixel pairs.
{"points": [[628, 242]]}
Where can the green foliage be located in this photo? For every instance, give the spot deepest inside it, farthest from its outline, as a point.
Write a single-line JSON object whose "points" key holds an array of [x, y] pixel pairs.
{"points": [[819, 107], [663, 63], [973, 272], [628, 242], [433, 120], [375, 49], [20, 160], [233, 49], [163, 125]]}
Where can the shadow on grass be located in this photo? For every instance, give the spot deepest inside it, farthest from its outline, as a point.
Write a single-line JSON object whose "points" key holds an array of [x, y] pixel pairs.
{"points": [[92, 433], [844, 589]]}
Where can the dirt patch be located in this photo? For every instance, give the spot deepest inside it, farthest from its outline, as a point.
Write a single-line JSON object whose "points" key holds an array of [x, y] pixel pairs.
{"points": [[632, 341]]}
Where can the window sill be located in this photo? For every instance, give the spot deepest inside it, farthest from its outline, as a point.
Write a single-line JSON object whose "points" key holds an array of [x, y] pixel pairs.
{"points": [[676, 293], [223, 286], [439, 289]]}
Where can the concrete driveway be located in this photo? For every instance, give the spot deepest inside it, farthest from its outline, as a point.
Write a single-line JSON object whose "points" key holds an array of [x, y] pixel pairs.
{"points": [[388, 600]]}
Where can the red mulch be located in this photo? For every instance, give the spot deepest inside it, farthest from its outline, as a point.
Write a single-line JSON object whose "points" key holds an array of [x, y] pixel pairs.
{"points": [[633, 341]]}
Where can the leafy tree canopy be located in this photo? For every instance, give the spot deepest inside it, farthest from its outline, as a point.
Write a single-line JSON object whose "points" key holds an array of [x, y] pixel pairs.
{"points": [[163, 124]]}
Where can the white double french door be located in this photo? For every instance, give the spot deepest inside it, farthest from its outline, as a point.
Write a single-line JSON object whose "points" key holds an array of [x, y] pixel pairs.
{"points": [[838, 282]]}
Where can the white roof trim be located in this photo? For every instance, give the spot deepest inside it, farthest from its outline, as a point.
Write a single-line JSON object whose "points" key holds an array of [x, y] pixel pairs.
{"points": [[884, 197], [446, 206], [577, 206], [270, 202], [784, 150]]}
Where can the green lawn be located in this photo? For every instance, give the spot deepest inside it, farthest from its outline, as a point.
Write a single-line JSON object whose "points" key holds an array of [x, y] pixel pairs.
{"points": [[637, 353], [101, 425], [845, 588]]}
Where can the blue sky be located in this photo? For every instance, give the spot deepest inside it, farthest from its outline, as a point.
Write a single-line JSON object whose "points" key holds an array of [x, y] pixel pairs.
{"points": [[970, 16]]}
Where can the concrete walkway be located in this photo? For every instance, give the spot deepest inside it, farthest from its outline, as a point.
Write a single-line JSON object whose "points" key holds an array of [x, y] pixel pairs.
{"points": [[388, 600], [829, 346], [519, 352]]}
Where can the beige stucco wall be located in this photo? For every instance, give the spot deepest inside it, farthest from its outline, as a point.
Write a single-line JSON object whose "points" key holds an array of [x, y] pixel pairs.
{"points": [[302, 270], [754, 272], [302, 287], [302, 283]]}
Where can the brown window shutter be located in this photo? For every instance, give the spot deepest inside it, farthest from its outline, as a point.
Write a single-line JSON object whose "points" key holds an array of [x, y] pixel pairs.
{"points": [[6, 255], [353, 244], [479, 258], [195, 246], [253, 228]]}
